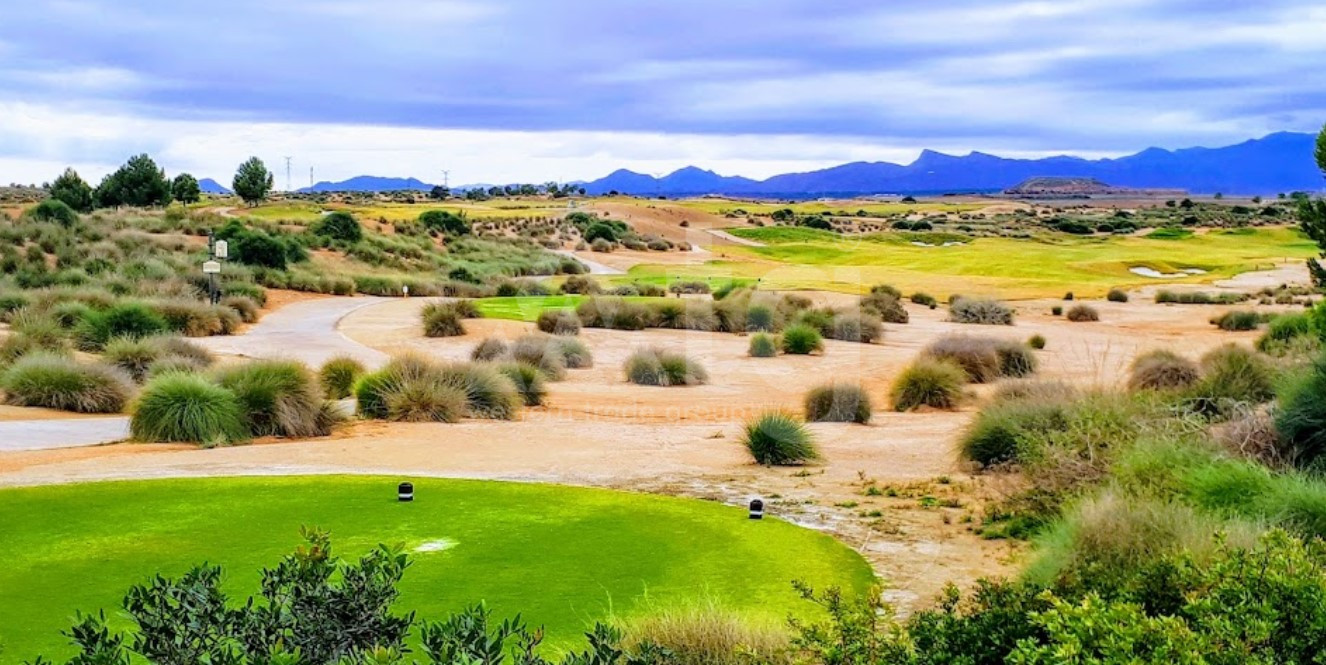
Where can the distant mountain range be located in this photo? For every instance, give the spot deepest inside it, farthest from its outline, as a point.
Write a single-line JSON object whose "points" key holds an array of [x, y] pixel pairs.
{"points": [[210, 186], [1280, 162]]}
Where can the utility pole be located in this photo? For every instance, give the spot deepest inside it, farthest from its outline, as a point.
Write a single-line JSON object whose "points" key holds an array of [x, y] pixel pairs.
{"points": [[310, 177], [287, 174], [446, 178]]}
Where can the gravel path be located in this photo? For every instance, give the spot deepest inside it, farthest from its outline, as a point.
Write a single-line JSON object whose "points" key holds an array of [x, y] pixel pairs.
{"points": [[304, 331], [49, 434]]}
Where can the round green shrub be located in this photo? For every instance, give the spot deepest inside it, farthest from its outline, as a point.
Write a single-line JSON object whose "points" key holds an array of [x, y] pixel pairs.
{"points": [[1232, 375], [760, 318], [1036, 342], [54, 210], [999, 431], [1117, 295], [763, 345], [58, 382], [528, 380], [1162, 369], [1301, 418], [338, 376], [182, 407], [838, 402], [1057, 310], [1236, 320], [776, 438], [134, 356], [338, 225], [558, 322], [801, 339], [131, 319], [937, 384], [279, 398], [1284, 329], [1082, 313]]}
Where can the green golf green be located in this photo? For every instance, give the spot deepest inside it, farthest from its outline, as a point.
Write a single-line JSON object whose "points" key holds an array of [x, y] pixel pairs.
{"points": [[561, 556]]}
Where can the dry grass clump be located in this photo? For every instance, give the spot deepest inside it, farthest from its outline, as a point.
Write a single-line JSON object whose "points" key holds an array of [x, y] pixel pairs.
{"points": [[279, 398], [558, 322], [417, 388], [443, 319], [528, 380], [801, 339], [614, 313], [655, 366], [929, 382], [854, 327], [776, 438], [58, 382], [977, 356], [885, 302], [838, 402], [490, 348], [980, 312], [707, 634], [338, 376], [540, 351], [1082, 313], [762, 345], [186, 407], [1162, 369]]}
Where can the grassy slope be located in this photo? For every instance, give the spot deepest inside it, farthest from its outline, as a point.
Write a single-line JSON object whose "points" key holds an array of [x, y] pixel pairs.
{"points": [[563, 556], [1010, 268], [308, 211]]}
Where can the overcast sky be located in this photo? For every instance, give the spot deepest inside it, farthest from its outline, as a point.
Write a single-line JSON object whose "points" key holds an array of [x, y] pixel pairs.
{"points": [[527, 90]]}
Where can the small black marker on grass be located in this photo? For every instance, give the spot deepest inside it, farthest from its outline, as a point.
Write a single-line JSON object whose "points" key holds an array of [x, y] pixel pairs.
{"points": [[756, 509], [405, 492]]}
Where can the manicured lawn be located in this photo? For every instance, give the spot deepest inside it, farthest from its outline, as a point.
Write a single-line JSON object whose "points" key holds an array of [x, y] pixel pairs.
{"points": [[528, 308], [1003, 267], [562, 556]]}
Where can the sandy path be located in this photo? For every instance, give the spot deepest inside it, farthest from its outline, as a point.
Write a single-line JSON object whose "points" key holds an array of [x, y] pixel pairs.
{"points": [[302, 330], [16, 435], [595, 268], [724, 235]]}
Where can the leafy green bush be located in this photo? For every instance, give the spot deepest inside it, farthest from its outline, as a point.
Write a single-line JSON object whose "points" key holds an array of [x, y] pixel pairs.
{"points": [[338, 376], [1036, 341], [559, 322], [178, 406], [134, 356], [760, 318], [1117, 295], [444, 221], [340, 226], [1162, 369], [838, 402], [801, 339], [279, 398], [654, 366], [528, 380], [1057, 310], [925, 299], [54, 210], [57, 382], [929, 382], [763, 345], [776, 438], [981, 312], [1081, 313], [129, 319], [1239, 319]]}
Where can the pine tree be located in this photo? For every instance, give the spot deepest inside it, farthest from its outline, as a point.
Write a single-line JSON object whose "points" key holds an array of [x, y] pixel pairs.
{"points": [[1312, 216], [252, 181]]}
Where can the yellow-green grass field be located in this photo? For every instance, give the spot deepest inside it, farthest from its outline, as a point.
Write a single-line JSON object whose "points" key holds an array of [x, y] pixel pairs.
{"points": [[308, 211], [561, 556], [722, 206], [528, 308], [798, 258]]}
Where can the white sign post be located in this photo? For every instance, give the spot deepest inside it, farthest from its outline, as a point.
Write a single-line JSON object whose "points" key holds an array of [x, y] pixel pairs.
{"points": [[221, 249]]}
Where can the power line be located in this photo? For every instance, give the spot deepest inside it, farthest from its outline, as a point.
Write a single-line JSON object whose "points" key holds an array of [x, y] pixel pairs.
{"points": [[287, 173]]}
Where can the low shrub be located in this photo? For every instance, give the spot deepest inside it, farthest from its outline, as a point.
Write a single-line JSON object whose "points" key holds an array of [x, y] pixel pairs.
{"points": [[886, 303], [559, 322], [134, 356], [184, 407], [1117, 295], [1301, 418], [278, 397], [1231, 376], [70, 313], [338, 376], [1005, 431], [424, 399], [489, 349], [761, 318], [707, 634], [1081, 313], [130, 319], [1239, 319], [488, 393], [580, 285], [977, 356], [246, 308], [613, 313], [1285, 329], [763, 345], [1068, 296], [1198, 298], [801, 339], [853, 327], [1015, 360], [1036, 341], [661, 367], [178, 348], [540, 351], [528, 380], [57, 382], [196, 319], [937, 384], [980, 312], [925, 299], [442, 320], [575, 354], [776, 438], [838, 402], [1162, 369], [1057, 311], [1032, 389]]}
